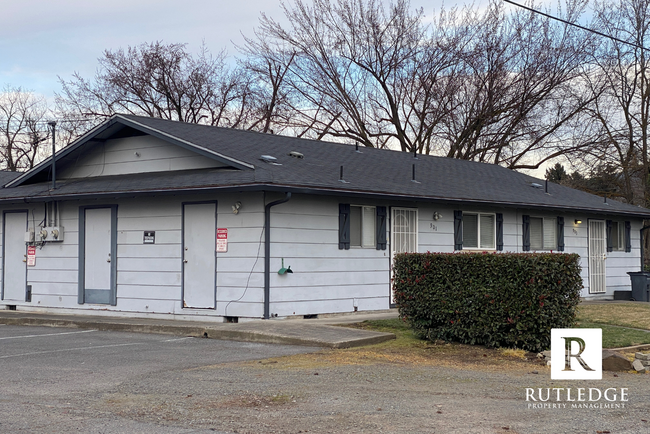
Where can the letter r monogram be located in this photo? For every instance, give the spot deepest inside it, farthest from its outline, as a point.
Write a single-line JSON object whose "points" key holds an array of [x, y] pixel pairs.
{"points": [[587, 348], [568, 355]]}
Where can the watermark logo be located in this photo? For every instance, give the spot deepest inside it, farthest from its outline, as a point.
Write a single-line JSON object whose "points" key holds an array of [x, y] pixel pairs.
{"points": [[576, 354]]}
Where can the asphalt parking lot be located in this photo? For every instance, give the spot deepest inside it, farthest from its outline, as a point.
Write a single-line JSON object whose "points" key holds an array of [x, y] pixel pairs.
{"points": [[57, 380], [48, 373]]}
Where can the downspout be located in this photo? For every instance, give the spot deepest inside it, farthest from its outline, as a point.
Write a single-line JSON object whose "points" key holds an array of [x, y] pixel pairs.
{"points": [[267, 253], [643, 229]]}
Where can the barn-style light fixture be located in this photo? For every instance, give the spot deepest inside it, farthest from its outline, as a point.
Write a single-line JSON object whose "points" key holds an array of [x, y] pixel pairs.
{"points": [[284, 270]]}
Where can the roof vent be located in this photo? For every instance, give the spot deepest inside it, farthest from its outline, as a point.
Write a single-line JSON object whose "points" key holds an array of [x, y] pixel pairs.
{"points": [[536, 185], [270, 159], [297, 155]]}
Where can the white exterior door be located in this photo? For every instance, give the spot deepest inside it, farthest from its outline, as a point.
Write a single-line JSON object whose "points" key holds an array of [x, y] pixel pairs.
{"points": [[14, 264], [403, 234], [597, 257], [98, 262], [199, 255], [404, 231]]}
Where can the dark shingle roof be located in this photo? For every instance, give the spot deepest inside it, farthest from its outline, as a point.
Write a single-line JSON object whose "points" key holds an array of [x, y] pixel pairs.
{"points": [[7, 176], [369, 172]]}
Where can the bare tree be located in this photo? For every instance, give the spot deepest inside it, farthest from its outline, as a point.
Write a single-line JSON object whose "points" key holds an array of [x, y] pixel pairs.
{"points": [[517, 92], [508, 89], [23, 128], [360, 71], [160, 80], [620, 78], [267, 65], [481, 86]]}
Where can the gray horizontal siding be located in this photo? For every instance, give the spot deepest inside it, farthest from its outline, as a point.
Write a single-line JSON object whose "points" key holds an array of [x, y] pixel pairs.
{"points": [[325, 278], [142, 154]]}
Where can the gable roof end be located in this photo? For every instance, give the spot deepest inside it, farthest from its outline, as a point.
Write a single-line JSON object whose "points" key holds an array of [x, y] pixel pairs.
{"points": [[185, 144], [107, 128]]}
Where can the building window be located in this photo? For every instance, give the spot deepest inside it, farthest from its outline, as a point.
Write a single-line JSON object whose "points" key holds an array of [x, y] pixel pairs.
{"points": [[618, 236], [362, 226], [542, 233], [479, 231]]}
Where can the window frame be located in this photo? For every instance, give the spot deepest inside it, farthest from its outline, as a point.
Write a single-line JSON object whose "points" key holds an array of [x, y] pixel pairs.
{"points": [[361, 245], [478, 215], [553, 224], [620, 234]]}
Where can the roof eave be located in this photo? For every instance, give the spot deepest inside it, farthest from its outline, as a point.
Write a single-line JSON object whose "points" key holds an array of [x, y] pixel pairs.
{"points": [[48, 196]]}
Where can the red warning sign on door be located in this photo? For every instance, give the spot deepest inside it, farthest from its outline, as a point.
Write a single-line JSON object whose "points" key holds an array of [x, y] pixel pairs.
{"points": [[222, 240], [31, 256]]}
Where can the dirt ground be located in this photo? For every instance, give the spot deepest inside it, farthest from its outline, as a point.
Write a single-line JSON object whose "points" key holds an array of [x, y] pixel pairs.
{"points": [[445, 389]]}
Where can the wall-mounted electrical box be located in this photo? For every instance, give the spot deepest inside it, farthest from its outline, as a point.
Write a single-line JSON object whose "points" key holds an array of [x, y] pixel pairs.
{"points": [[53, 233], [29, 235]]}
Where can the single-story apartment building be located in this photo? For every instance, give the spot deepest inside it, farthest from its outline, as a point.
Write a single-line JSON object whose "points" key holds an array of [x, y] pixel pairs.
{"points": [[144, 216]]}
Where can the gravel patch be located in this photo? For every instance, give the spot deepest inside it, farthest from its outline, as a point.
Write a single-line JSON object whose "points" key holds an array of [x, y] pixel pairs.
{"points": [[114, 383], [270, 398]]}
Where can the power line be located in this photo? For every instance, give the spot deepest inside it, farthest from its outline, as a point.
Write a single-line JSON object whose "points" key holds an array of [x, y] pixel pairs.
{"points": [[576, 25]]}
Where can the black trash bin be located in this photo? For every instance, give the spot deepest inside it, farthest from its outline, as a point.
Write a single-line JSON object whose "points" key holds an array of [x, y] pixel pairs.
{"points": [[640, 285]]}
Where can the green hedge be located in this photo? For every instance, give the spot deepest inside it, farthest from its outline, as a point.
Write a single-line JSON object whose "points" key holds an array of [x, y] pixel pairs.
{"points": [[498, 300]]}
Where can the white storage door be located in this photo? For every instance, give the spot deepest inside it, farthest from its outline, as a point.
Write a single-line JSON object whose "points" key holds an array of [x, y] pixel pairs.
{"points": [[15, 256], [199, 255]]}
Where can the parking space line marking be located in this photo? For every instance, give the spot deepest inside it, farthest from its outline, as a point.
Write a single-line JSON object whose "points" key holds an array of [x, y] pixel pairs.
{"points": [[71, 349], [179, 339], [47, 334]]}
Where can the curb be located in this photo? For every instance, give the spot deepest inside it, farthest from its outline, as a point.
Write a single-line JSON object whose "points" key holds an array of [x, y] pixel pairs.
{"points": [[269, 338], [248, 333], [633, 347]]}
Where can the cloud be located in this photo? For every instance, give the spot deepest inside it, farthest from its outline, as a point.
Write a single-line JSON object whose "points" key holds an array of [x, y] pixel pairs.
{"points": [[43, 39]]}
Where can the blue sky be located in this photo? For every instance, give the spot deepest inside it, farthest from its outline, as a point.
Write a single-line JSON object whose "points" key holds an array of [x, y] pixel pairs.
{"points": [[41, 40]]}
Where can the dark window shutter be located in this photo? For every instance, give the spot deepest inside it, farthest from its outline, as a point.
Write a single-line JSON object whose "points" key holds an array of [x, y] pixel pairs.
{"points": [[499, 231], [560, 234], [458, 230], [344, 226], [628, 237], [525, 245], [608, 234], [381, 228]]}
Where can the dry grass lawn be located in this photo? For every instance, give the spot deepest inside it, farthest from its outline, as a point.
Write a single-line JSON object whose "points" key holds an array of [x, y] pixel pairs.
{"points": [[631, 314], [407, 349]]}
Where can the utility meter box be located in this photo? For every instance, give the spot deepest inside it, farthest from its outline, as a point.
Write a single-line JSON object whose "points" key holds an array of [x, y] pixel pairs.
{"points": [[51, 233]]}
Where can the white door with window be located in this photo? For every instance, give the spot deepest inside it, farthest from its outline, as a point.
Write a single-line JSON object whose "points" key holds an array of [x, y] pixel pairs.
{"points": [[403, 234], [597, 257]]}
